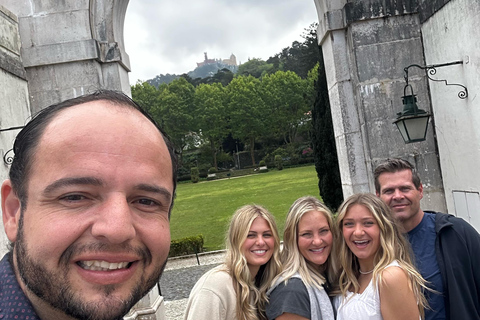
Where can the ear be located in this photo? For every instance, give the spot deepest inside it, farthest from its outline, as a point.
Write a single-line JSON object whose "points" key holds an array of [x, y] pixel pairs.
{"points": [[420, 189], [10, 210]]}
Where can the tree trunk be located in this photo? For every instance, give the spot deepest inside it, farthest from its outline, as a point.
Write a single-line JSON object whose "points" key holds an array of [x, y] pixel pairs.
{"points": [[252, 150], [214, 153]]}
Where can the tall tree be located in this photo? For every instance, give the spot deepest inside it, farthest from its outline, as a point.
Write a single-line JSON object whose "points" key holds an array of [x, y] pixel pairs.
{"points": [[255, 67], [323, 140], [176, 112], [212, 123], [146, 95], [285, 96], [223, 76], [248, 116], [300, 57]]}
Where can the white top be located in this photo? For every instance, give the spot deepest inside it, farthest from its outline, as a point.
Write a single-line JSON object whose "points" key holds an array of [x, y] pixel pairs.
{"points": [[361, 306]]}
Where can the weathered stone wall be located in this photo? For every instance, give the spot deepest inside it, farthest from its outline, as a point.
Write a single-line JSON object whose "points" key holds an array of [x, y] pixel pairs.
{"points": [[452, 35], [71, 47], [366, 44], [14, 106]]}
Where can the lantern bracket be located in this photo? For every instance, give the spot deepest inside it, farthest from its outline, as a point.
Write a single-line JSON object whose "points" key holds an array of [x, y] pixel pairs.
{"points": [[431, 70]]}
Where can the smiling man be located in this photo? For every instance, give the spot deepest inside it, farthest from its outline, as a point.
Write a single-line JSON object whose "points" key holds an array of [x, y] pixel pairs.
{"points": [[446, 248], [87, 210]]}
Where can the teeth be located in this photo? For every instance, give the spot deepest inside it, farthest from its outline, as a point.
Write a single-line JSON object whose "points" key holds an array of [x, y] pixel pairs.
{"points": [[317, 250], [259, 251], [97, 265], [361, 242]]}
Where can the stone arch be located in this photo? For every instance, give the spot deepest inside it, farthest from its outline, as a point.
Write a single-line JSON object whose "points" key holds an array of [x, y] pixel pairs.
{"points": [[81, 38], [366, 45]]}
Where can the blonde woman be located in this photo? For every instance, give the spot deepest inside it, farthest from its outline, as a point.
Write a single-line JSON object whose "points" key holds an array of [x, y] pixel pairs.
{"points": [[299, 291], [377, 281], [237, 288]]}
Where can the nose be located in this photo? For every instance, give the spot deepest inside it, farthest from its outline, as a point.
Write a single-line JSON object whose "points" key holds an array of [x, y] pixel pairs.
{"points": [[317, 240], [397, 194], [358, 231], [260, 241], [114, 223]]}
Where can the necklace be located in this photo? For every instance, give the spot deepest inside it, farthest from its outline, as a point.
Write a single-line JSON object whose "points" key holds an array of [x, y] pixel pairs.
{"points": [[367, 272]]}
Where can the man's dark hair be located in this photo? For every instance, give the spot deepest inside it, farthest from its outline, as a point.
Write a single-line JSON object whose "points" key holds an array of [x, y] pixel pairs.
{"points": [[28, 138], [395, 165]]}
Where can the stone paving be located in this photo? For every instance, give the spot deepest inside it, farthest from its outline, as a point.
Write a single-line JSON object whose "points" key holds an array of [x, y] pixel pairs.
{"points": [[180, 276]]}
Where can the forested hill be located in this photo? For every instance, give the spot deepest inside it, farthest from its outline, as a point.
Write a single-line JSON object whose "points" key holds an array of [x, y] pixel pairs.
{"points": [[300, 57], [202, 72]]}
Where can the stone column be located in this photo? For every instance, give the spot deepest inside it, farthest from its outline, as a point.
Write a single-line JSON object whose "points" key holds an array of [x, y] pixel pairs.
{"points": [[332, 35], [366, 45], [14, 106]]}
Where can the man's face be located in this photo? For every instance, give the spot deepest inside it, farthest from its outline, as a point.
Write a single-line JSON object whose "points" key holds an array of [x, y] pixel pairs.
{"points": [[400, 194], [94, 236]]}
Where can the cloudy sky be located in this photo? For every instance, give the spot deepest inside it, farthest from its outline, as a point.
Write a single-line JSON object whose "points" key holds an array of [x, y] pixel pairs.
{"points": [[165, 36]]}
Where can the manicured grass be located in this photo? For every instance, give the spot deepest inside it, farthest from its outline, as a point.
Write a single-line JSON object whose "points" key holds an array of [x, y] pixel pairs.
{"points": [[205, 208]]}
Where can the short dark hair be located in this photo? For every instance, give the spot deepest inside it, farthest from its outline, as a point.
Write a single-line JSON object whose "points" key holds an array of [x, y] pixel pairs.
{"points": [[395, 165], [28, 138]]}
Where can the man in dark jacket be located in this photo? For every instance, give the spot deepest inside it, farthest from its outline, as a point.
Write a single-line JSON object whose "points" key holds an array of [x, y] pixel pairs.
{"points": [[446, 248]]}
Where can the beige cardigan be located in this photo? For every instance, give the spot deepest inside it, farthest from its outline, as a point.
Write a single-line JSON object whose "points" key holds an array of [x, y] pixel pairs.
{"points": [[212, 298]]}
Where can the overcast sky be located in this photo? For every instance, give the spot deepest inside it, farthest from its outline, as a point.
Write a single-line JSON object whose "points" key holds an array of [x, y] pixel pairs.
{"points": [[165, 36]]}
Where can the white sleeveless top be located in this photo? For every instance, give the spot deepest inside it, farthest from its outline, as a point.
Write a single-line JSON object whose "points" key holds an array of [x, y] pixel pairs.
{"points": [[361, 306]]}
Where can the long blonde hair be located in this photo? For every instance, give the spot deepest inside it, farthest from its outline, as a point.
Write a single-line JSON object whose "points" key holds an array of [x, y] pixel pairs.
{"points": [[393, 246], [292, 260], [251, 294]]}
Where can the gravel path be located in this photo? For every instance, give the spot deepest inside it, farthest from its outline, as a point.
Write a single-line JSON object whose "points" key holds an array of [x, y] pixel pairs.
{"points": [[180, 276]]}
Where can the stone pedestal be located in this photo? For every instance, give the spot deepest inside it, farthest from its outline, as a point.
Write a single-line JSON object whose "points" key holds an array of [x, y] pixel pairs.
{"points": [[151, 307]]}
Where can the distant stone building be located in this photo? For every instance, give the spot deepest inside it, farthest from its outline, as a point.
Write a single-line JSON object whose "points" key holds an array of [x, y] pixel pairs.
{"points": [[232, 61]]}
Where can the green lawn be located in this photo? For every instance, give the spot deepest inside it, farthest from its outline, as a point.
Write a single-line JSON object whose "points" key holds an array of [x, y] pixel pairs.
{"points": [[206, 207]]}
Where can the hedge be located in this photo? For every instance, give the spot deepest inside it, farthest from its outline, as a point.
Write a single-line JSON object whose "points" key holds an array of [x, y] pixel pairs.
{"points": [[184, 246]]}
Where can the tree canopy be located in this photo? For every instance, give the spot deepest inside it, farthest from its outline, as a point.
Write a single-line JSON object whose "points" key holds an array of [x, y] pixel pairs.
{"points": [[277, 102]]}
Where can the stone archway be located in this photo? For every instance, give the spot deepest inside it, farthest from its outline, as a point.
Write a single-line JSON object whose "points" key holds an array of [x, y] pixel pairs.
{"points": [[366, 45], [80, 48]]}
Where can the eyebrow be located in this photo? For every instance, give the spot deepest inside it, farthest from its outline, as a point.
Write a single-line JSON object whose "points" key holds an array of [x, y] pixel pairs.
{"points": [[65, 182], [304, 230], [154, 189], [364, 218], [92, 181]]}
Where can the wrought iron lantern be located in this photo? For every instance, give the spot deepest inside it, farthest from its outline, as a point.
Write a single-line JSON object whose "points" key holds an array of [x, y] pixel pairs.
{"points": [[412, 122]]}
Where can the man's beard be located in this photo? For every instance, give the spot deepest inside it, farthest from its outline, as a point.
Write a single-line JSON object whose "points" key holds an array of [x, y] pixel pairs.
{"points": [[54, 288]]}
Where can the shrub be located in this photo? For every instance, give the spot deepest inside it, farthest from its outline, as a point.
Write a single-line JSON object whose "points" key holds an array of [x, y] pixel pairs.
{"points": [[278, 162], [189, 245], [212, 170], [262, 163], [307, 152], [280, 151], [294, 159], [183, 174], [194, 174]]}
